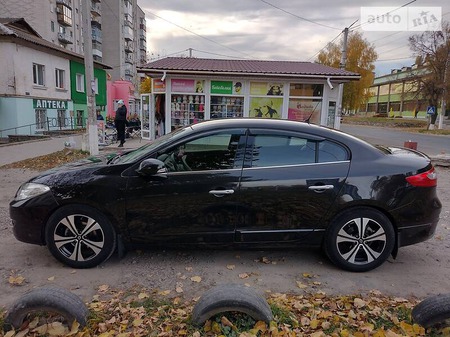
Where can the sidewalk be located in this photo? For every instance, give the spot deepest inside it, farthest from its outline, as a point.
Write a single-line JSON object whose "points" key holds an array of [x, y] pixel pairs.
{"points": [[13, 152]]}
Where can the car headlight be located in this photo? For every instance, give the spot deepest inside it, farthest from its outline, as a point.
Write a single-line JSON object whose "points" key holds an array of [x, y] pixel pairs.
{"points": [[30, 190]]}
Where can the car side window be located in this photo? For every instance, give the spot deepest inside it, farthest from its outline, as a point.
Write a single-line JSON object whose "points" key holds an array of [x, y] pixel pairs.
{"points": [[212, 152], [273, 150], [331, 152]]}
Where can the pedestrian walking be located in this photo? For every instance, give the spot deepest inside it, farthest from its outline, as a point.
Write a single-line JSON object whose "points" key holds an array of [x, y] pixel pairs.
{"points": [[120, 122]]}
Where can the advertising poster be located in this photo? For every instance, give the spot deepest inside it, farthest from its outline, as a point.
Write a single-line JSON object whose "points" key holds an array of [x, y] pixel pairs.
{"points": [[158, 85], [183, 86], [266, 89], [302, 109], [266, 107], [222, 87]]}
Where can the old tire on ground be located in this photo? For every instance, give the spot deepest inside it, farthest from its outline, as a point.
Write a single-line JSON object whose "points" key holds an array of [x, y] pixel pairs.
{"points": [[433, 311], [80, 236], [231, 297], [48, 299]]}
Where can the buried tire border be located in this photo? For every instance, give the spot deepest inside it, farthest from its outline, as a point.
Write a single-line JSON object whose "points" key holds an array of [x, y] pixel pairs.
{"points": [[432, 311], [231, 297], [50, 299]]}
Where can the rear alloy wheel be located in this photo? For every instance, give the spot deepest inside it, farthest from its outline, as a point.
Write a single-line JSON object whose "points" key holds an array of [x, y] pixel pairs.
{"points": [[360, 239], [80, 236]]}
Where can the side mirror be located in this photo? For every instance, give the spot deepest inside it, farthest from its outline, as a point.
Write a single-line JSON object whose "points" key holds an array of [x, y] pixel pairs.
{"points": [[151, 167]]}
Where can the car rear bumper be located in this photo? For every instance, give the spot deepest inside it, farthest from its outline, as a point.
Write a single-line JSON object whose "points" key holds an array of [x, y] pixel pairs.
{"points": [[418, 232], [30, 216]]}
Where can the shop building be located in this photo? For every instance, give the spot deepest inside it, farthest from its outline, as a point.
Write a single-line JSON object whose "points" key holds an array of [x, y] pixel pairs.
{"points": [[190, 90]]}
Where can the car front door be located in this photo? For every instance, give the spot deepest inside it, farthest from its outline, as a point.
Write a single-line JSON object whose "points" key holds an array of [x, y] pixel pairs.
{"points": [[195, 201], [289, 182]]}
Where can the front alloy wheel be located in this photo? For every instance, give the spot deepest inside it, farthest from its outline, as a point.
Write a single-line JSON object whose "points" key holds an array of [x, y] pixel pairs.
{"points": [[80, 236], [360, 240]]}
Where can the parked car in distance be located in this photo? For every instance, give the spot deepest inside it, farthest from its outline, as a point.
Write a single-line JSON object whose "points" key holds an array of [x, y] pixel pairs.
{"points": [[235, 182]]}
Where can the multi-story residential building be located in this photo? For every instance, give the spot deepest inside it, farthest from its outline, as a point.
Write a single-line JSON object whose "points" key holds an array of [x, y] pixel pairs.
{"points": [[118, 33], [42, 86]]}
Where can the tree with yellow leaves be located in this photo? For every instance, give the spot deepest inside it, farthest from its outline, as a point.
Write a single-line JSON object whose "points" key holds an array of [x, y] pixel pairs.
{"points": [[361, 56]]}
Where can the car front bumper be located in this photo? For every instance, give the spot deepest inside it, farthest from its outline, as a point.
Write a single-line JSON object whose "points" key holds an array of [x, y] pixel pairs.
{"points": [[29, 217]]}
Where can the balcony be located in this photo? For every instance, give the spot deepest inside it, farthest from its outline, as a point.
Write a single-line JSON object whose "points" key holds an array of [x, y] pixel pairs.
{"points": [[128, 34], [142, 37], [97, 1], [128, 48], [96, 38], [97, 53], [64, 14], [65, 38], [67, 3], [95, 9], [95, 22], [129, 59]]}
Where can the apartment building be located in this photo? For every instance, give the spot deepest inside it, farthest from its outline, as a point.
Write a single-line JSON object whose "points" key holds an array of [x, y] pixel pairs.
{"points": [[118, 31]]}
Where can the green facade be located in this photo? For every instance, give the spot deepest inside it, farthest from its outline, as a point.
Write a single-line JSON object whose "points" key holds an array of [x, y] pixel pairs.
{"points": [[79, 98]]}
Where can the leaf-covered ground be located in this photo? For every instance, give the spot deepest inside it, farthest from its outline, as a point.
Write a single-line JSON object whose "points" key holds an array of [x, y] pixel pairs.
{"points": [[138, 312], [49, 161]]}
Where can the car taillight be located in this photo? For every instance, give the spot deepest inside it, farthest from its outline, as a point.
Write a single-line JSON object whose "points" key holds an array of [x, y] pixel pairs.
{"points": [[425, 179]]}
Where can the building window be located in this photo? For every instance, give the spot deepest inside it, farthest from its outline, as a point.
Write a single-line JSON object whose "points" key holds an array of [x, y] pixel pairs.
{"points": [[95, 85], [80, 82], [52, 26], [41, 119], [61, 118], [59, 78], [38, 74]]}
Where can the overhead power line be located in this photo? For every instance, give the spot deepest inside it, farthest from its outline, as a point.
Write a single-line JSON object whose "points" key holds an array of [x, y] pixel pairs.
{"points": [[299, 17]]}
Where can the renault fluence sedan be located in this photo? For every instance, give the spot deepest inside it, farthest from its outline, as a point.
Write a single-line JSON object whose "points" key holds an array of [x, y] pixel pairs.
{"points": [[237, 182]]}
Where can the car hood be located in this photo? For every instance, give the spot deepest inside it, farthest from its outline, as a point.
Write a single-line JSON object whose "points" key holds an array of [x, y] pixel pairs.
{"points": [[88, 165]]}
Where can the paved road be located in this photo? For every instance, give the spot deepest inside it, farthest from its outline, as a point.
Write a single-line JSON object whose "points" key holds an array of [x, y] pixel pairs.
{"points": [[430, 144]]}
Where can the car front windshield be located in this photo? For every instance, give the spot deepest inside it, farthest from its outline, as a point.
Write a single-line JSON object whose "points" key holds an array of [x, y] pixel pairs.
{"points": [[142, 151]]}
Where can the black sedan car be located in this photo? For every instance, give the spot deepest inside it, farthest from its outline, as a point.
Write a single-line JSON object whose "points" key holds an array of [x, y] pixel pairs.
{"points": [[237, 182]]}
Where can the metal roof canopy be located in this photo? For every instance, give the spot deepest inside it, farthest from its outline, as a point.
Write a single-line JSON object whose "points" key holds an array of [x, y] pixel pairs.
{"points": [[245, 69]]}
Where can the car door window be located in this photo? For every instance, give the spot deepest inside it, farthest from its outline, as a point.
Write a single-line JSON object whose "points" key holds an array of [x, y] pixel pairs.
{"points": [[274, 150], [212, 152], [331, 152]]}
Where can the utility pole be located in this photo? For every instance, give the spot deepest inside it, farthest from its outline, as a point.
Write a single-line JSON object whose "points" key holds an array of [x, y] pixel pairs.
{"points": [[92, 132], [342, 64]]}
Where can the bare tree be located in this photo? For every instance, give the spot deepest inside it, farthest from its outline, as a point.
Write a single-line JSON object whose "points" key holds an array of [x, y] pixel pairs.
{"points": [[432, 52]]}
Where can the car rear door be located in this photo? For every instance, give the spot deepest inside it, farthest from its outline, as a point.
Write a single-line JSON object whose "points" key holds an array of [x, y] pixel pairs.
{"points": [[288, 184]]}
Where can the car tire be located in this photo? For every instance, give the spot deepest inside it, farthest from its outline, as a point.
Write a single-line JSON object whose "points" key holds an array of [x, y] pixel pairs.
{"points": [[80, 236], [231, 297], [434, 311], [50, 300], [349, 250]]}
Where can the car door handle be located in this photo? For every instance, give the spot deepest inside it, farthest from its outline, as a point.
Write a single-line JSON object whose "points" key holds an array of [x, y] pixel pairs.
{"points": [[221, 193], [321, 188]]}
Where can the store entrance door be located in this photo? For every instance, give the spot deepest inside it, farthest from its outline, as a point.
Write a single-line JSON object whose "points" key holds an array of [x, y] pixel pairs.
{"points": [[147, 117]]}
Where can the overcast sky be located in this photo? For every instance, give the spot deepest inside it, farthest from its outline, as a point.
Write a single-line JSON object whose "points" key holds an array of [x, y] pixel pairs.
{"points": [[270, 29]]}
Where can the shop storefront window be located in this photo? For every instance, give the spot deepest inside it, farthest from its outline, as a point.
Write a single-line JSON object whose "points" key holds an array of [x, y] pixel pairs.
{"points": [[305, 109], [309, 90], [305, 102], [266, 99], [225, 99], [187, 102]]}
